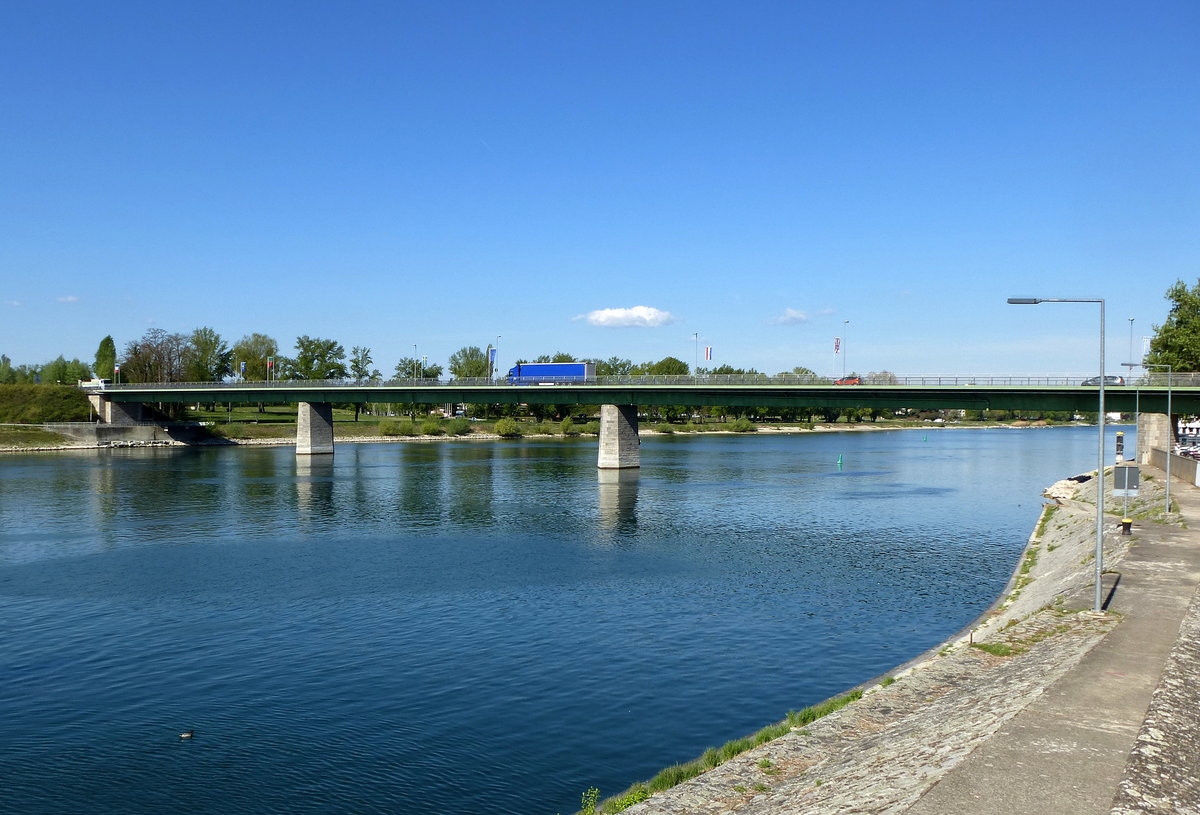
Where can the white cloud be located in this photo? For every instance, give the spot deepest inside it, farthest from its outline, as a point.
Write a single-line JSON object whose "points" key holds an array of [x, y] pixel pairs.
{"points": [[638, 315], [12, 302], [70, 298], [792, 316]]}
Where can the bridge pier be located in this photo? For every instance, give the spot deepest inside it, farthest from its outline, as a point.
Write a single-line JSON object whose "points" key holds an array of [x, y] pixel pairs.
{"points": [[118, 413], [1155, 431], [620, 447], [314, 428]]}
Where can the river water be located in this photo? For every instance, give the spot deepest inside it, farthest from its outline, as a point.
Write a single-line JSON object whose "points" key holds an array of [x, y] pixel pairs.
{"points": [[468, 626]]}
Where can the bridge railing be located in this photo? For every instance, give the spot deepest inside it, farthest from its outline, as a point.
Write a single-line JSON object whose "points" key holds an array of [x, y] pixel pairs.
{"points": [[1156, 379]]}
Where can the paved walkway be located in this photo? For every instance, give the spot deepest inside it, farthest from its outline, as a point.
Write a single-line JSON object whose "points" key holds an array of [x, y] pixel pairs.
{"points": [[1088, 714], [1069, 750]]}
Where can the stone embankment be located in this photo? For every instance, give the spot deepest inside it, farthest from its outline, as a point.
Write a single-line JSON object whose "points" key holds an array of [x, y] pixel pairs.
{"points": [[988, 722]]}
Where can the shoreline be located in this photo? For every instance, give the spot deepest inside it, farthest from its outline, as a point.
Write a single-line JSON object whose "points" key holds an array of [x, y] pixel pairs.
{"points": [[766, 430]]}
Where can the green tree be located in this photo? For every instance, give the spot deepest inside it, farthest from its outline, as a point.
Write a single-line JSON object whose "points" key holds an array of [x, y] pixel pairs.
{"points": [[62, 372], [1177, 341], [7, 375], [208, 358], [668, 366], [559, 356], [253, 349], [412, 368], [468, 362], [361, 370], [722, 370], [613, 366], [106, 358], [316, 358], [360, 364], [409, 368]]}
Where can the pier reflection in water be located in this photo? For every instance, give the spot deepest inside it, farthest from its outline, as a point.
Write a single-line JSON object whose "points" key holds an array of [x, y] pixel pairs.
{"points": [[617, 492], [461, 627]]}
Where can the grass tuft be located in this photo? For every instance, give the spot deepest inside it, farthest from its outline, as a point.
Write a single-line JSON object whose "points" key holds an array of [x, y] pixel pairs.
{"points": [[715, 756]]}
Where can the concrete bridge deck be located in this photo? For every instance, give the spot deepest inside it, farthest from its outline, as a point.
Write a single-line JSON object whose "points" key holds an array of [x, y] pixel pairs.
{"points": [[619, 398], [976, 393]]}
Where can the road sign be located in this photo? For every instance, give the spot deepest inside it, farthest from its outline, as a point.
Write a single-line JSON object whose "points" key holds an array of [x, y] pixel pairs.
{"points": [[1126, 480]]}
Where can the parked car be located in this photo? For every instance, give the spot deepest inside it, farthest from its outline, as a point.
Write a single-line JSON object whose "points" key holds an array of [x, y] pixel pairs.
{"points": [[853, 379], [1109, 381]]}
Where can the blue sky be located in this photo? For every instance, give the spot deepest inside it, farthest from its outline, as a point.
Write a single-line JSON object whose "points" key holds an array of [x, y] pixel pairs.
{"points": [[440, 174]]}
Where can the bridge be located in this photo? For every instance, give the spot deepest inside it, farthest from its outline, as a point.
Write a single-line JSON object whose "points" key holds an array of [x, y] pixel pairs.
{"points": [[619, 398]]}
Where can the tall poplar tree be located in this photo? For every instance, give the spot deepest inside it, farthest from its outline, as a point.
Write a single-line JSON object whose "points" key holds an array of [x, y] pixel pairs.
{"points": [[106, 358]]}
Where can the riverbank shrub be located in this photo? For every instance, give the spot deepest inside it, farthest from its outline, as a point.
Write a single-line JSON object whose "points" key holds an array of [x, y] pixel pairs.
{"points": [[397, 427], [35, 404], [432, 427], [507, 428], [592, 428], [458, 426], [567, 427], [663, 427], [743, 425]]}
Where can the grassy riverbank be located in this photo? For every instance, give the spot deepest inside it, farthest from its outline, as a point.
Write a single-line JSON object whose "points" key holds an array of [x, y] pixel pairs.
{"points": [[20, 437]]}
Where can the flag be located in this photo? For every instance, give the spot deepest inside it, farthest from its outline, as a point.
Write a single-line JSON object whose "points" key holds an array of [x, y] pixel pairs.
{"points": [[707, 352], [491, 356], [837, 345]]}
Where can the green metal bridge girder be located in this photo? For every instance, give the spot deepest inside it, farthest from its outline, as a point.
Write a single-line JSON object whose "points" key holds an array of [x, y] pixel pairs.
{"points": [[885, 397]]}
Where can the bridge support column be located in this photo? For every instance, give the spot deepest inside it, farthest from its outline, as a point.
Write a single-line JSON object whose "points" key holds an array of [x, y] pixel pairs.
{"points": [[1154, 431], [314, 428], [119, 413], [620, 447]]}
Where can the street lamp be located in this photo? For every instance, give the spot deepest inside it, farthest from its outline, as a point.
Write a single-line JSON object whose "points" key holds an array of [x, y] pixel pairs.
{"points": [[1033, 301], [415, 362]]}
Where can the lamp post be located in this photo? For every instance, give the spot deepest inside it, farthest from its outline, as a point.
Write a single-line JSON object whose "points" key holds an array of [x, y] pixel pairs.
{"points": [[415, 377], [1033, 301]]}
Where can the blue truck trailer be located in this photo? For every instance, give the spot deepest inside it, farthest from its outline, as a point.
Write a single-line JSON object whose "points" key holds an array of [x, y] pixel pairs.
{"points": [[551, 373]]}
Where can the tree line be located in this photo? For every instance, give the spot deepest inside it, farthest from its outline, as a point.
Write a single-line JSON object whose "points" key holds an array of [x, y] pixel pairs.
{"points": [[203, 355]]}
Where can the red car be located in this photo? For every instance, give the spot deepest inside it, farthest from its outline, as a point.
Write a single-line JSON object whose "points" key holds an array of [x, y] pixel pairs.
{"points": [[853, 379]]}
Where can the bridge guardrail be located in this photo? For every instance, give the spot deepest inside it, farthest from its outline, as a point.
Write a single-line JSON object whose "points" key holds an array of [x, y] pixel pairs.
{"points": [[1182, 380]]}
